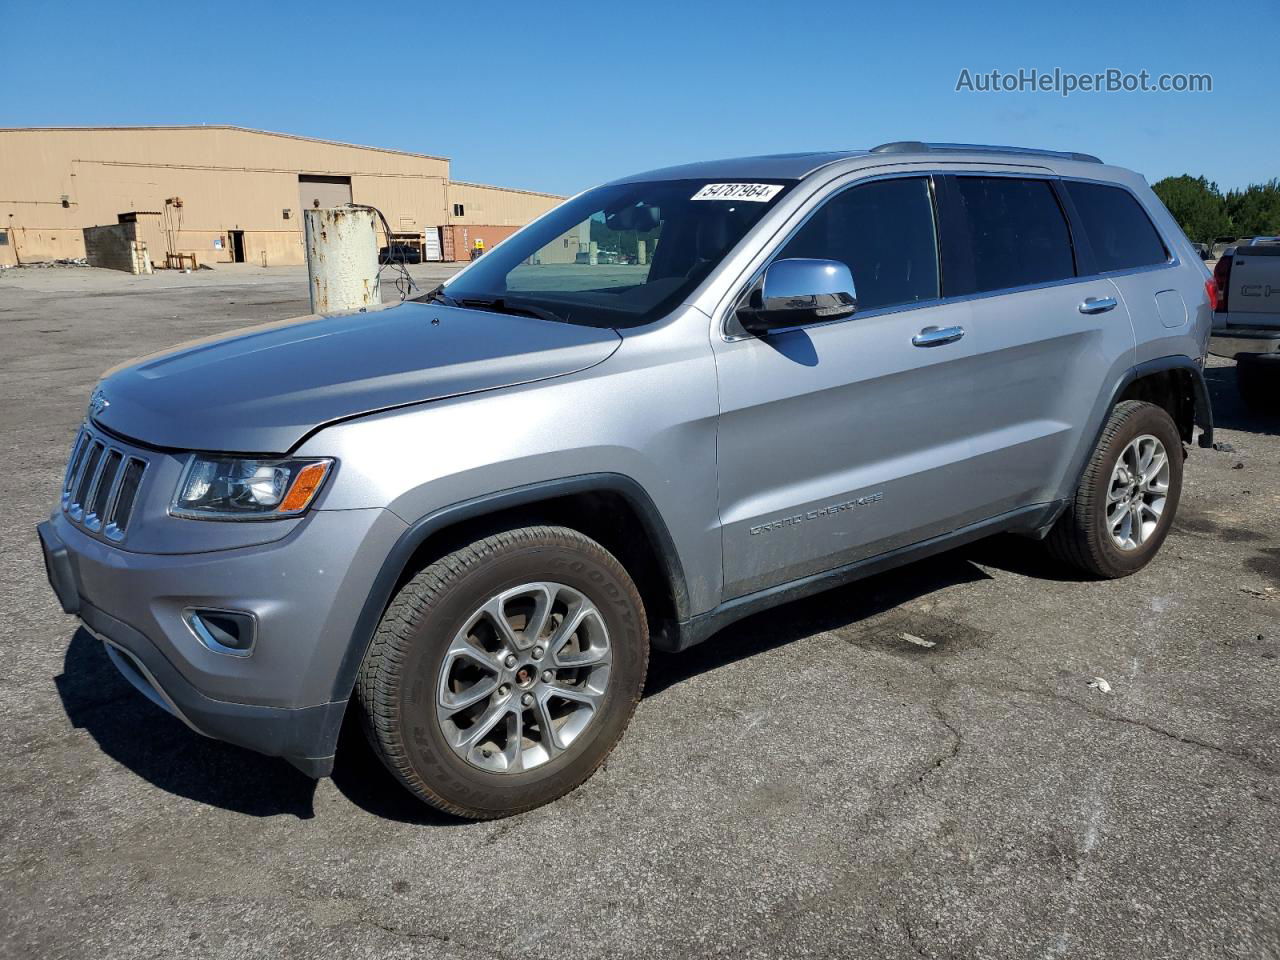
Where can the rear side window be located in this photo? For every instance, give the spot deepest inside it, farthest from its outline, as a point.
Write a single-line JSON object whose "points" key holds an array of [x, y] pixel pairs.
{"points": [[884, 232], [1118, 229], [1015, 231]]}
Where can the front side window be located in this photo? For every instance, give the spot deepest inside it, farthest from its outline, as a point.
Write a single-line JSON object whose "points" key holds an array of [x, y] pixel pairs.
{"points": [[884, 232], [1015, 231], [619, 255], [1119, 230]]}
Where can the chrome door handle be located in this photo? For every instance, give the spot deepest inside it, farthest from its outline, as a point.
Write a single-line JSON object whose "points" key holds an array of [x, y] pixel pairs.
{"points": [[1098, 304], [937, 336]]}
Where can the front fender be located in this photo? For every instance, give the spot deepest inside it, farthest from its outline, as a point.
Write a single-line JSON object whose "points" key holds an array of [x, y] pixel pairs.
{"points": [[420, 530]]}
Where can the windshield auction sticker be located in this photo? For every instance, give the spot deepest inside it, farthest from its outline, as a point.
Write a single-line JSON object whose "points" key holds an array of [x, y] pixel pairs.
{"points": [[752, 192]]}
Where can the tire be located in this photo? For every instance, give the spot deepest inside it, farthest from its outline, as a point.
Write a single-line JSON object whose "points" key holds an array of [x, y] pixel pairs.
{"points": [[1083, 536], [445, 621], [1259, 384]]}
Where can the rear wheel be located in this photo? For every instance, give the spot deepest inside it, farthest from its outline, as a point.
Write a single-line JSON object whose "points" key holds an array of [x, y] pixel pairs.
{"points": [[1127, 498], [503, 674]]}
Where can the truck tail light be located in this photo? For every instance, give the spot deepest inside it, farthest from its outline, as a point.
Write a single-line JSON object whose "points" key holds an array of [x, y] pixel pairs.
{"points": [[1211, 291], [1221, 275]]}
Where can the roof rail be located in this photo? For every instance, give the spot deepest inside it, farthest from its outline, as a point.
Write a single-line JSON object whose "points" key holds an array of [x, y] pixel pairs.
{"points": [[918, 146]]}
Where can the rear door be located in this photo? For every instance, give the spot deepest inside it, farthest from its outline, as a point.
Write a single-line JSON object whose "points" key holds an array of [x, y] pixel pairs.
{"points": [[1047, 342], [1124, 246]]}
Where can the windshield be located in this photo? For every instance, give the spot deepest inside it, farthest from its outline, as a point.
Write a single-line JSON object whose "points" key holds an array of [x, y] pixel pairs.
{"points": [[619, 255]]}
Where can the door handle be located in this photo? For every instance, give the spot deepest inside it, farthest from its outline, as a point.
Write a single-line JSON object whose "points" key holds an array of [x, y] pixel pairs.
{"points": [[1098, 304], [937, 336]]}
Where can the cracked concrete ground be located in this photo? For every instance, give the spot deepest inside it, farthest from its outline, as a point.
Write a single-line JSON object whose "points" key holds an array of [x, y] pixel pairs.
{"points": [[807, 784]]}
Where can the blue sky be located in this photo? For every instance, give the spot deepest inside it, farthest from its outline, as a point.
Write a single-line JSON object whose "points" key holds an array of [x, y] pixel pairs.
{"points": [[558, 96]]}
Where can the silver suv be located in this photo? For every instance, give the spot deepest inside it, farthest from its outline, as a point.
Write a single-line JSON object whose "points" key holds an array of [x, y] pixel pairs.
{"points": [[675, 400]]}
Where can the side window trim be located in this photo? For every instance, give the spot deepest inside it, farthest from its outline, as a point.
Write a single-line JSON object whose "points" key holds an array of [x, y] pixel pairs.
{"points": [[731, 330], [957, 256], [1086, 260]]}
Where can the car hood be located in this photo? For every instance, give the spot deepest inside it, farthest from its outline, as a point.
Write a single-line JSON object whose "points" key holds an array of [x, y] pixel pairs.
{"points": [[261, 390]]}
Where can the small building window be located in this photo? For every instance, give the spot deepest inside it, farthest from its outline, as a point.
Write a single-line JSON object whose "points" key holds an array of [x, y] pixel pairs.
{"points": [[4, 238], [459, 210]]}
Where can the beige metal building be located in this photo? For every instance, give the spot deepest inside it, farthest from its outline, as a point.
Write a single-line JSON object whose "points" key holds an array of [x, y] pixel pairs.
{"points": [[222, 194]]}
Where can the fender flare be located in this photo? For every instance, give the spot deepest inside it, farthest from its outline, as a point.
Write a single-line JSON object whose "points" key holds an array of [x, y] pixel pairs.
{"points": [[1203, 412], [1202, 416], [402, 552]]}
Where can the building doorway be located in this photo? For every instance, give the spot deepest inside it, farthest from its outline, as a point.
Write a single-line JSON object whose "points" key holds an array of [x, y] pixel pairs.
{"points": [[237, 245]]}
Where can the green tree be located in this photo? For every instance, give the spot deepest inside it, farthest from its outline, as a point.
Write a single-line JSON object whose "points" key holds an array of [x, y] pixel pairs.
{"points": [[1255, 210], [1197, 205]]}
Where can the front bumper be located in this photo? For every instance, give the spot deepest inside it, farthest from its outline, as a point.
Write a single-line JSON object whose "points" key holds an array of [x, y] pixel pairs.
{"points": [[306, 591], [1235, 342]]}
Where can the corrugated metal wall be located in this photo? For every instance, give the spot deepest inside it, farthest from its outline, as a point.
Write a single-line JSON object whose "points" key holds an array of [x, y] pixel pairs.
{"points": [[55, 182]]}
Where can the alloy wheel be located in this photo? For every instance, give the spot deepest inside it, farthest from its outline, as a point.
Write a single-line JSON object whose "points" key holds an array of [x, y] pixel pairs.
{"points": [[524, 677], [1137, 493]]}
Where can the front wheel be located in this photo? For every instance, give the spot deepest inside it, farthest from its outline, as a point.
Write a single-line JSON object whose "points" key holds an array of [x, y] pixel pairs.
{"points": [[1127, 498], [503, 674]]}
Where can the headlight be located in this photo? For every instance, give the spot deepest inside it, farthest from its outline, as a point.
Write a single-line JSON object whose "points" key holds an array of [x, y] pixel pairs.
{"points": [[246, 488]]}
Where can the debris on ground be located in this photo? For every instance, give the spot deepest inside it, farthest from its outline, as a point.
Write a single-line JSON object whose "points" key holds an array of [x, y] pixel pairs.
{"points": [[1266, 593], [1223, 447], [1097, 683], [1237, 465], [918, 641]]}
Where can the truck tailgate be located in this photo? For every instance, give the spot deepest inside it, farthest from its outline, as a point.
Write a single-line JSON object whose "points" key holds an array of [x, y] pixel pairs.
{"points": [[1253, 290]]}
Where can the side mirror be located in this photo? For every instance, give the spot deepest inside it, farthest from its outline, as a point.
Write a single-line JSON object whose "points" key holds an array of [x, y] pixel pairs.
{"points": [[795, 292]]}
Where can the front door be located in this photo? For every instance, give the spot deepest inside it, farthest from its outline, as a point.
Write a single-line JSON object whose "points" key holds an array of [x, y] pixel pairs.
{"points": [[843, 440]]}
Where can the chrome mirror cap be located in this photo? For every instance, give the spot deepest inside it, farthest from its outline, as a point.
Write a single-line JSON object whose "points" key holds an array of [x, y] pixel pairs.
{"points": [[799, 291]]}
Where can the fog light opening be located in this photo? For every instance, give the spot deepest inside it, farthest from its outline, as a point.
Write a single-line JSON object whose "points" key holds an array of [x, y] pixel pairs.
{"points": [[230, 632]]}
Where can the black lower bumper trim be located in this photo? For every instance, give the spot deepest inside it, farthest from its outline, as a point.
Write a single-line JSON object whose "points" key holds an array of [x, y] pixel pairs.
{"points": [[57, 567], [306, 737]]}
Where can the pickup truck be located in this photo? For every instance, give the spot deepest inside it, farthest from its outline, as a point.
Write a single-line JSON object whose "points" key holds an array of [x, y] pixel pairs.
{"points": [[1246, 319]]}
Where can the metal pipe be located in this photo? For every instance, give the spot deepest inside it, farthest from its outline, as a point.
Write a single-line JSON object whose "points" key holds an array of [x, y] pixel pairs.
{"points": [[342, 259]]}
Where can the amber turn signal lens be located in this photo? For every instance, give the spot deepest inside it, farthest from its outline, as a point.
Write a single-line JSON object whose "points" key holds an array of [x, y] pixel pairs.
{"points": [[304, 487]]}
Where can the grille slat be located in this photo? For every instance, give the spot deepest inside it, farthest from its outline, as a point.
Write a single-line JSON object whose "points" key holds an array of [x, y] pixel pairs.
{"points": [[130, 479], [73, 465], [101, 485], [87, 474], [103, 489]]}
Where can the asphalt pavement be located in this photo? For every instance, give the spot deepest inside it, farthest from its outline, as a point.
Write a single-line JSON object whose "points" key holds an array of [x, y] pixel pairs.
{"points": [[913, 766]]}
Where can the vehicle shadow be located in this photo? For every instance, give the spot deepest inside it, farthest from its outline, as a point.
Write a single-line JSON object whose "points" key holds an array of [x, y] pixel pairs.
{"points": [[793, 621], [361, 777], [1229, 410], [1024, 556], [166, 753]]}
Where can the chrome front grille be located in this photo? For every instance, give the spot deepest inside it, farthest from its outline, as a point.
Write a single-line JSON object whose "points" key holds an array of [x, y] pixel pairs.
{"points": [[101, 485]]}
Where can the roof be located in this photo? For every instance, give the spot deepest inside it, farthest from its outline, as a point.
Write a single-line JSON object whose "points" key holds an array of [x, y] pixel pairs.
{"points": [[225, 126], [489, 186], [796, 166], [776, 166]]}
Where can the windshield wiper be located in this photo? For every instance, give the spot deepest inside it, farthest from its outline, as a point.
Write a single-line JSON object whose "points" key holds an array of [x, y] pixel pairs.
{"points": [[503, 305], [437, 295]]}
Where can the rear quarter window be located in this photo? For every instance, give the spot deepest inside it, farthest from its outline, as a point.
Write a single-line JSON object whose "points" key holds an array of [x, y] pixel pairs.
{"points": [[1015, 231], [1119, 230]]}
